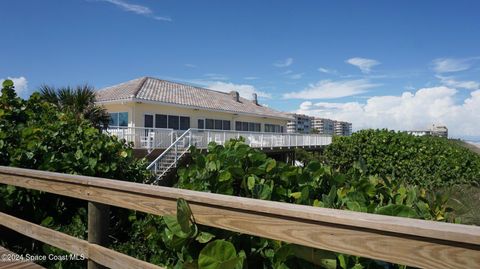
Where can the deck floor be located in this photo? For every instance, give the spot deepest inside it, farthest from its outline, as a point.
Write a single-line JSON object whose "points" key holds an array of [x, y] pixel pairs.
{"points": [[6, 262]]}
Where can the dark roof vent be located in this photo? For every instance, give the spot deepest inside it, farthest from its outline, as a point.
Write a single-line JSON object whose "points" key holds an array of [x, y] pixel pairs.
{"points": [[235, 95], [255, 98]]}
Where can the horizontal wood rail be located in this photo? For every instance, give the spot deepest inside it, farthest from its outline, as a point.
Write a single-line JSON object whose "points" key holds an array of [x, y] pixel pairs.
{"points": [[99, 254], [419, 243]]}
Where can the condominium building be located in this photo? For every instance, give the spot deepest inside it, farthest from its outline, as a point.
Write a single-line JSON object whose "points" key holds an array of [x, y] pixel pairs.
{"points": [[342, 128], [439, 130], [300, 124], [323, 126]]}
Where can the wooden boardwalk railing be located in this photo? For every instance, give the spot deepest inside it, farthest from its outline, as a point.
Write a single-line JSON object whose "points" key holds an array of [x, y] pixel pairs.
{"points": [[419, 243]]}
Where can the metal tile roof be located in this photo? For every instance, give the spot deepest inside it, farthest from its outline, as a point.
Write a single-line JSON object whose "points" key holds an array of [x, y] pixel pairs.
{"points": [[158, 90]]}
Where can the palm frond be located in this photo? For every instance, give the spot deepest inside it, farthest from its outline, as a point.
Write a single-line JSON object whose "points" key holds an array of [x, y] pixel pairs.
{"points": [[49, 94]]}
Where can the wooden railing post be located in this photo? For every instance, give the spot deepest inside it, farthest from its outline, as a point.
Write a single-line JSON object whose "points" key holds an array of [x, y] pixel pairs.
{"points": [[98, 222]]}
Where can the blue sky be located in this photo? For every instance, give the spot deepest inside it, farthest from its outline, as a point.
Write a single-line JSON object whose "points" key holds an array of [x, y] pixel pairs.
{"points": [[395, 64]]}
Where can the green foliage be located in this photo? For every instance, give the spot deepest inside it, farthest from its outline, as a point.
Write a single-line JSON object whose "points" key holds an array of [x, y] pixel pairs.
{"points": [[35, 134], [80, 101], [236, 169], [426, 161], [219, 254]]}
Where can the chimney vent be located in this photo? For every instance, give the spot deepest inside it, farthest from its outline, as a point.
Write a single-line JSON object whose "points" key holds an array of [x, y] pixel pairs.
{"points": [[255, 99], [235, 95]]}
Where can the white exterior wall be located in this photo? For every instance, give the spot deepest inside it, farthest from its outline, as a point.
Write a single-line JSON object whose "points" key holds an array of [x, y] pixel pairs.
{"points": [[136, 112]]}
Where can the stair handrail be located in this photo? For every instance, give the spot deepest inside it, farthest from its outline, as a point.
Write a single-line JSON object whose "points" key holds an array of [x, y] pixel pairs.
{"points": [[169, 148]]}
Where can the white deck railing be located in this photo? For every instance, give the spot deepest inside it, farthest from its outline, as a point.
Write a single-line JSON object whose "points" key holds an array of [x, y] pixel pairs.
{"points": [[152, 138], [201, 139], [144, 138]]}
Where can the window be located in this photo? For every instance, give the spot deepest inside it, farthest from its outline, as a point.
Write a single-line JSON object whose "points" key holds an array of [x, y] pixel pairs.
{"points": [[148, 121], [213, 124], [123, 119], [201, 124], [167, 121], [218, 124], [209, 124], [247, 126], [226, 125], [118, 119], [273, 128], [184, 123], [173, 122], [161, 121], [244, 126]]}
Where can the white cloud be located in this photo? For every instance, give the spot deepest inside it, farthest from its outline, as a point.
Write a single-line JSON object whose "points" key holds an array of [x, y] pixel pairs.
{"points": [[446, 65], [20, 83], [409, 111], [328, 89], [137, 9], [296, 76], [364, 64], [284, 63], [244, 90], [452, 82], [327, 71], [190, 65], [251, 78]]}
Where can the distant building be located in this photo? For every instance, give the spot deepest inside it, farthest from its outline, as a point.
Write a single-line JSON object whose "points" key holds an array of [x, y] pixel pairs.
{"points": [[300, 124], [439, 130], [435, 130], [342, 128], [324, 126], [306, 124]]}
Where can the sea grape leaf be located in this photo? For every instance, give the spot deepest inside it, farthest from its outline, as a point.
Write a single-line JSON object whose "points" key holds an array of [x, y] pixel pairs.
{"points": [[271, 163], [184, 215], [224, 176], [218, 254], [204, 237], [251, 182], [174, 226], [397, 210], [323, 258]]}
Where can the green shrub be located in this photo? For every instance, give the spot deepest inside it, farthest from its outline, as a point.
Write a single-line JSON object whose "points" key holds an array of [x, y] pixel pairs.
{"points": [[426, 161], [35, 134], [236, 169]]}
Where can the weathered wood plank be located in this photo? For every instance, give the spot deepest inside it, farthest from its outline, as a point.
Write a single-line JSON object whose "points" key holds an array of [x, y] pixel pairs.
{"points": [[405, 241], [46, 235], [94, 252], [113, 259], [7, 261], [438, 230], [98, 224]]}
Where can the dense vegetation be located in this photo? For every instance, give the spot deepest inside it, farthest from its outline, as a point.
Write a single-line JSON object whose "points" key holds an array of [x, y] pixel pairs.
{"points": [[37, 134], [236, 169], [426, 161]]}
